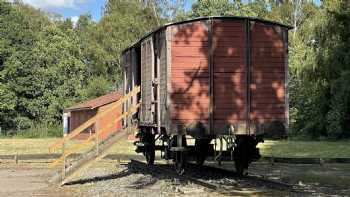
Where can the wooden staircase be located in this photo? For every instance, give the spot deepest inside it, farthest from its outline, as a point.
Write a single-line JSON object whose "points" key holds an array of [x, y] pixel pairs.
{"points": [[96, 147]]}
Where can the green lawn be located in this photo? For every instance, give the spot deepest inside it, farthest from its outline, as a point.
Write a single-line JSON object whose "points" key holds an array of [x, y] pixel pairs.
{"points": [[289, 148], [284, 148], [25, 146], [10, 146]]}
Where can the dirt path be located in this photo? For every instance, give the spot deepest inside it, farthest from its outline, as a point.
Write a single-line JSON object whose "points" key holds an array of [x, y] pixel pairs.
{"points": [[28, 180], [108, 178]]}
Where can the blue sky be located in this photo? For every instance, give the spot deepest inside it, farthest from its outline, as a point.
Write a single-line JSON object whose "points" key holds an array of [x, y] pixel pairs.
{"points": [[70, 8], [74, 8]]}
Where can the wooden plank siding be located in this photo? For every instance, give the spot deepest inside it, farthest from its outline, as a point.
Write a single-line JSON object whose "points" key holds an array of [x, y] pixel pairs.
{"points": [[78, 117], [189, 73], [108, 118], [220, 71], [229, 71], [162, 55], [268, 73], [147, 75]]}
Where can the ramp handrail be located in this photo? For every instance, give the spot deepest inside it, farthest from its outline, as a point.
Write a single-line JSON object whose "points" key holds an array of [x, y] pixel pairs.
{"points": [[83, 144], [85, 165], [92, 120], [107, 141]]}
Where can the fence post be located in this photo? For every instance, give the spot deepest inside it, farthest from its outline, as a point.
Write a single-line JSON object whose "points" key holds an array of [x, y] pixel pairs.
{"points": [[16, 158], [64, 160]]}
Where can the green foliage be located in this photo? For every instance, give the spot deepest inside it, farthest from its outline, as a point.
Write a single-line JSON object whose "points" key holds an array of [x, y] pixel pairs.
{"points": [[319, 59], [47, 63], [123, 23], [322, 96], [212, 8], [7, 106], [258, 8], [47, 76], [97, 86]]}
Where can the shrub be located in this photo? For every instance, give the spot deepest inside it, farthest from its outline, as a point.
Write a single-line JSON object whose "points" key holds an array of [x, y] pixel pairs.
{"points": [[41, 130]]}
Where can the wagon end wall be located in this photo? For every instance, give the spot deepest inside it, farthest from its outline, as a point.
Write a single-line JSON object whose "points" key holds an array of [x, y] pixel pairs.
{"points": [[211, 76], [228, 75]]}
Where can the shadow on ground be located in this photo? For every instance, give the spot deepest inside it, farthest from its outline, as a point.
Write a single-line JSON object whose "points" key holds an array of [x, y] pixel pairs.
{"points": [[225, 182]]}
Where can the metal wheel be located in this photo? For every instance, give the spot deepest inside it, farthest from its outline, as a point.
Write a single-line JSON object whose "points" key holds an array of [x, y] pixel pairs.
{"points": [[149, 151], [201, 146], [150, 154], [241, 157]]}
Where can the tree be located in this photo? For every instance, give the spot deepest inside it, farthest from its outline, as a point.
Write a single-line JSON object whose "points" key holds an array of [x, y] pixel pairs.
{"points": [[123, 23], [20, 26], [324, 72], [42, 70], [293, 13], [212, 8], [47, 63], [46, 78], [332, 64], [257, 8], [97, 86]]}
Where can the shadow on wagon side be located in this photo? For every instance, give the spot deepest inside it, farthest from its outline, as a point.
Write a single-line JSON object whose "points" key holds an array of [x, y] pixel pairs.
{"points": [[220, 80]]}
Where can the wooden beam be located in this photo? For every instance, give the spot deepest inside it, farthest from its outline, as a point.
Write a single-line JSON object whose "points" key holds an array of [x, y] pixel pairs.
{"points": [[85, 143], [92, 120]]}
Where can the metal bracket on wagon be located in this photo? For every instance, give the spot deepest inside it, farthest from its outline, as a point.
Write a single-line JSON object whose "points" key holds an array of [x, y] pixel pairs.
{"points": [[178, 149]]}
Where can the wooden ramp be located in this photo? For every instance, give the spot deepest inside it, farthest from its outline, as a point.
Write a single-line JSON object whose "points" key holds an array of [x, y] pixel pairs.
{"points": [[86, 160], [95, 147]]}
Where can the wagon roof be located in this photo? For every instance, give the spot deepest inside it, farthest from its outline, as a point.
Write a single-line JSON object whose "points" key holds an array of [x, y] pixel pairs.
{"points": [[96, 102], [206, 18]]}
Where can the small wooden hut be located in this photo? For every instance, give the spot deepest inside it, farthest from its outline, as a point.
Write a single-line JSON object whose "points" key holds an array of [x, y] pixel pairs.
{"points": [[76, 115]]}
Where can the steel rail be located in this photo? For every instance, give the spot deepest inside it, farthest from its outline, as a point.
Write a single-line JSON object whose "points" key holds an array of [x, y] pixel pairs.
{"points": [[254, 178]]}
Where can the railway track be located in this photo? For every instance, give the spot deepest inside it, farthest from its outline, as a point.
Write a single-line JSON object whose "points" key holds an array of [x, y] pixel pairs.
{"points": [[165, 170], [213, 178]]}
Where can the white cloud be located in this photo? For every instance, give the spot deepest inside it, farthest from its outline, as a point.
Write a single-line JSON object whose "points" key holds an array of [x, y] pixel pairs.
{"points": [[74, 20], [45, 4]]}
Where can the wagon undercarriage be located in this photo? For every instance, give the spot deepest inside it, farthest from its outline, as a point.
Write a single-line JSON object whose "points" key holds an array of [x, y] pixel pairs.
{"points": [[182, 149]]}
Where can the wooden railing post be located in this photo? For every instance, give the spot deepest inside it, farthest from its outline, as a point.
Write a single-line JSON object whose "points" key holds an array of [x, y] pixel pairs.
{"points": [[128, 120], [89, 122], [99, 130], [97, 138]]}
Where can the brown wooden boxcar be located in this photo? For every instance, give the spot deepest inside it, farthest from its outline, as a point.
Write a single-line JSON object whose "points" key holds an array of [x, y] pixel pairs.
{"points": [[210, 77]]}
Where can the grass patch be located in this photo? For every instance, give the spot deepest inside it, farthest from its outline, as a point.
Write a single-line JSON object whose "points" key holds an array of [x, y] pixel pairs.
{"points": [[326, 179], [318, 149], [10, 146], [25, 146], [42, 130], [284, 148]]}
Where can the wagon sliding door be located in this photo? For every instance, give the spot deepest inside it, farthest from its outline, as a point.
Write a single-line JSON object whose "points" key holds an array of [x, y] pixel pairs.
{"points": [[129, 62], [147, 109]]}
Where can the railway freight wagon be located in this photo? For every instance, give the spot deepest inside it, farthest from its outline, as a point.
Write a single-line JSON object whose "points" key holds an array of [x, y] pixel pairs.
{"points": [[209, 88]]}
